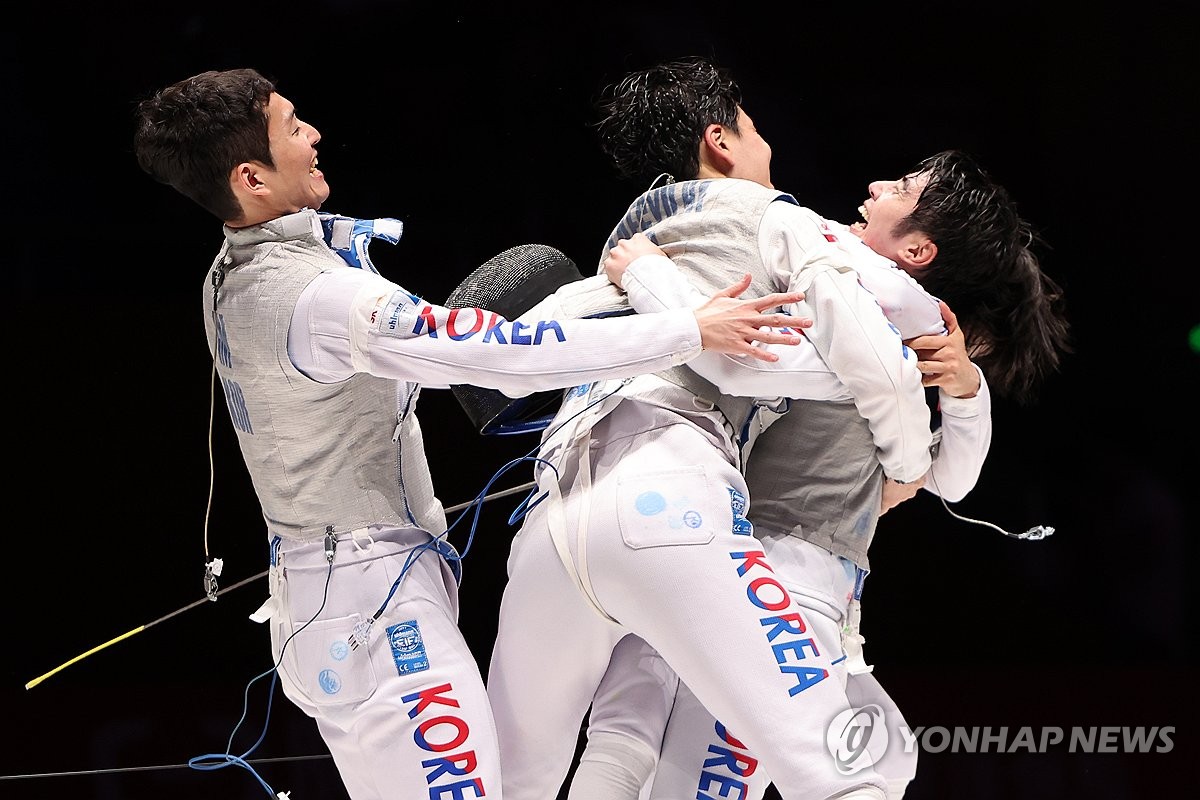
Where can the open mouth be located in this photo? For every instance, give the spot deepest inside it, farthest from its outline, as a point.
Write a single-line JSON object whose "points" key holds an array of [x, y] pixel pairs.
{"points": [[858, 227]]}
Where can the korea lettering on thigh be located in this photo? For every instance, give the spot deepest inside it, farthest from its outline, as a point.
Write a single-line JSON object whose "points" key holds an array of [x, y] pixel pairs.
{"points": [[827, 584], [824, 581], [406, 690], [703, 757], [700, 757], [689, 577]]}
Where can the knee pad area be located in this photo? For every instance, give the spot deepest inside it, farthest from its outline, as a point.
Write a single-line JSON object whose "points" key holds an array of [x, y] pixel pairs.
{"points": [[612, 765], [862, 793]]}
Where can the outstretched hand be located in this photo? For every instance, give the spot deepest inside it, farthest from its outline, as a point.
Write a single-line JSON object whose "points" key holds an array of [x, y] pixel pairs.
{"points": [[730, 325], [943, 360]]}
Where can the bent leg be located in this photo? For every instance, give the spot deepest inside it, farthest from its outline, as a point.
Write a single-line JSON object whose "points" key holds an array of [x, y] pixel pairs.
{"points": [[687, 576], [625, 728], [698, 751], [898, 766], [404, 713], [550, 654]]}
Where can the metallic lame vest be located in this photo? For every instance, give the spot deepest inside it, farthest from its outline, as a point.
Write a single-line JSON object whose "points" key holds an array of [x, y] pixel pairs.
{"points": [[709, 228], [814, 473], [321, 456]]}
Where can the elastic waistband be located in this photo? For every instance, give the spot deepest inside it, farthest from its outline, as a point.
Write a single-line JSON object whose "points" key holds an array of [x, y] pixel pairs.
{"points": [[363, 536], [358, 544]]}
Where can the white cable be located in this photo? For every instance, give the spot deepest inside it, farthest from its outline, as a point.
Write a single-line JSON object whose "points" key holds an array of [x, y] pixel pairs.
{"points": [[1033, 534]]}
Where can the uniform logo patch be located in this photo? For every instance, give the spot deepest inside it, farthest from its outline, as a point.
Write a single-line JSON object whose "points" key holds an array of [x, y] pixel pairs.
{"points": [[737, 504], [650, 503], [329, 681], [408, 648]]}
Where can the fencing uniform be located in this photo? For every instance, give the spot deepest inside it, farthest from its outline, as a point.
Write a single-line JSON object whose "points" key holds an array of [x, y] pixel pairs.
{"points": [[643, 525], [815, 483], [321, 366]]}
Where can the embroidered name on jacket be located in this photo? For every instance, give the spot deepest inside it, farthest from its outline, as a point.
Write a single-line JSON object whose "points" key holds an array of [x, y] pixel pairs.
{"points": [[405, 316], [234, 398], [658, 204]]}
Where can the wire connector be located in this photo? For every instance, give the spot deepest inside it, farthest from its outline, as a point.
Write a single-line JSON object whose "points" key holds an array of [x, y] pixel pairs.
{"points": [[361, 632], [284, 795], [330, 543], [212, 571]]}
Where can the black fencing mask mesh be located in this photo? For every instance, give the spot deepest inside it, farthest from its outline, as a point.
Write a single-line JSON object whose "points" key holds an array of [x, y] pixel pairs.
{"points": [[510, 283]]}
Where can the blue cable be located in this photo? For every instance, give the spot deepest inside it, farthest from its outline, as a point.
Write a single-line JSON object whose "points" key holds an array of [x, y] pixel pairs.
{"points": [[227, 759], [476, 505]]}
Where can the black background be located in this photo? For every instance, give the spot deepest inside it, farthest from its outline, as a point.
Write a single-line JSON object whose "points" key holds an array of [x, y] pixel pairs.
{"points": [[473, 126]]}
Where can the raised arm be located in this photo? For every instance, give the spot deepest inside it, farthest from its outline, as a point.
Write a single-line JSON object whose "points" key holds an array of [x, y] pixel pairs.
{"points": [[653, 283], [353, 321], [854, 337], [850, 335]]}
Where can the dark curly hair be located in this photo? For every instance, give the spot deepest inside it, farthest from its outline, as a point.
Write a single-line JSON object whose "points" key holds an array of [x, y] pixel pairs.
{"points": [[191, 134], [652, 121], [1011, 313]]}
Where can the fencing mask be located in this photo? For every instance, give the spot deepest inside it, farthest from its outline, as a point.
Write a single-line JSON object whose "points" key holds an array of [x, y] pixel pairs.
{"points": [[510, 283]]}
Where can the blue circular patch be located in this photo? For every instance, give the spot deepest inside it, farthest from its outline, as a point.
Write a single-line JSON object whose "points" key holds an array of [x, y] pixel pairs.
{"points": [[650, 503], [339, 650], [330, 681], [692, 519]]}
